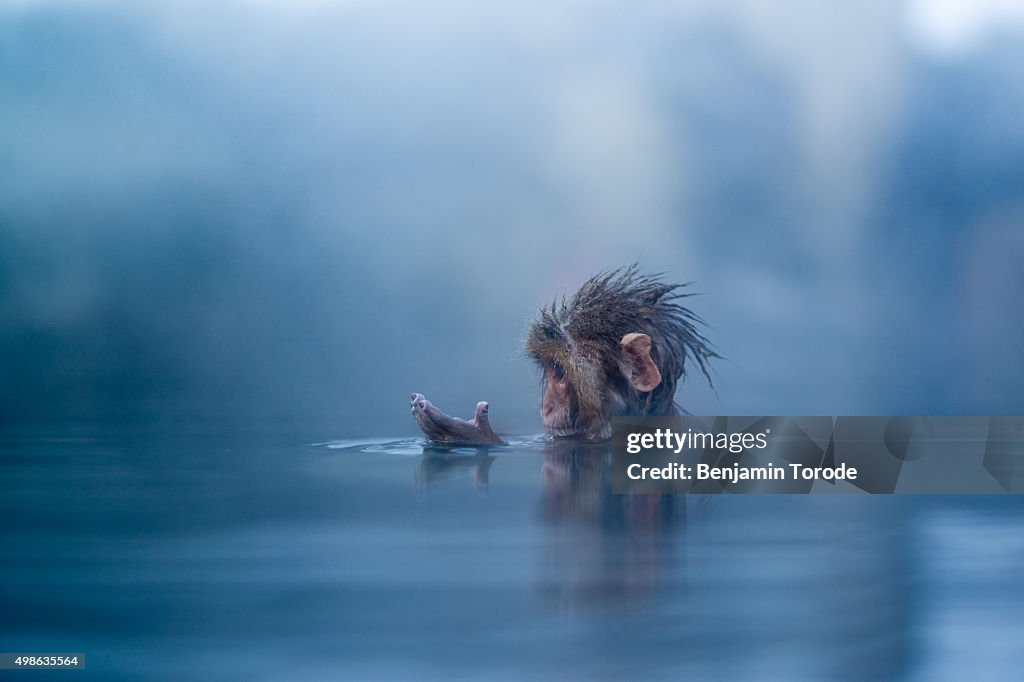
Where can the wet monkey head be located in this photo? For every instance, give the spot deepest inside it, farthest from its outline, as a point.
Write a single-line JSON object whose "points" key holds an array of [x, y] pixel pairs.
{"points": [[616, 347]]}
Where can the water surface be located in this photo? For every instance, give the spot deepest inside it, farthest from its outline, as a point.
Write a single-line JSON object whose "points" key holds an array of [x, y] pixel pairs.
{"points": [[215, 554]]}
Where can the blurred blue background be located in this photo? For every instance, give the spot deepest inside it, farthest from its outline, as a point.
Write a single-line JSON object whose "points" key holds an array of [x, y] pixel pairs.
{"points": [[304, 211]]}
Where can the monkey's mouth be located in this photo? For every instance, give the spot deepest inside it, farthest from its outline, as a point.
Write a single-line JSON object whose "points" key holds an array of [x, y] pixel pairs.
{"points": [[563, 431], [565, 418], [592, 431], [560, 424]]}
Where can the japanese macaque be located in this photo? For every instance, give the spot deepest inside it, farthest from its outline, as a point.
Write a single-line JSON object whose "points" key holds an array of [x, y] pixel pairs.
{"points": [[617, 347]]}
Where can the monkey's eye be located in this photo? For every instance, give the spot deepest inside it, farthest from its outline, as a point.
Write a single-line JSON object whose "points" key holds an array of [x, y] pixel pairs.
{"points": [[557, 370]]}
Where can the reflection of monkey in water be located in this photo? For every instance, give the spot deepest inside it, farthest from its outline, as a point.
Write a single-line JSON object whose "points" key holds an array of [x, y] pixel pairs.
{"points": [[637, 541], [617, 347]]}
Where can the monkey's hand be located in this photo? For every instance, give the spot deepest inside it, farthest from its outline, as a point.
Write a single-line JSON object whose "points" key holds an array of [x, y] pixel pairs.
{"points": [[438, 427]]}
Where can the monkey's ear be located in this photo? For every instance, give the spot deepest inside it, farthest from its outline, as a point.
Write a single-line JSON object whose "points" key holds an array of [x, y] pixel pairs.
{"points": [[635, 352]]}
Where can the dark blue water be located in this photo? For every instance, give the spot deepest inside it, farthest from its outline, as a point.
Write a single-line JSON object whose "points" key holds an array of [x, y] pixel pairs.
{"points": [[220, 555]]}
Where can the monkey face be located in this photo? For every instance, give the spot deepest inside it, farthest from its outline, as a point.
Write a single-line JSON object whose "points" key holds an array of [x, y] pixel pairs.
{"points": [[556, 401], [586, 385]]}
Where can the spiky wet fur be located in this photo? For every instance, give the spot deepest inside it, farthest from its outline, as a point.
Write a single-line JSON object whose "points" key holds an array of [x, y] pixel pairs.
{"points": [[582, 332]]}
